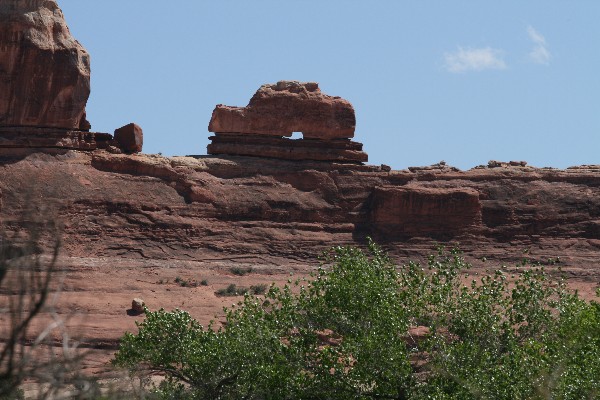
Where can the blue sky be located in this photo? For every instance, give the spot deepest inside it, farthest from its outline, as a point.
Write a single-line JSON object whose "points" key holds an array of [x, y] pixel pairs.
{"points": [[460, 81]]}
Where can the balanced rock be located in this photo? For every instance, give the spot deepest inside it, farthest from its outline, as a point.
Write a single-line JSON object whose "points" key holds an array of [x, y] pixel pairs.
{"points": [[274, 113], [44, 71], [286, 107], [130, 138]]}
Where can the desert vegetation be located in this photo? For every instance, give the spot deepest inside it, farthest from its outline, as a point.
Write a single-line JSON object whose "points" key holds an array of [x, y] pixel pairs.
{"points": [[363, 328], [234, 290], [35, 346], [360, 327]]}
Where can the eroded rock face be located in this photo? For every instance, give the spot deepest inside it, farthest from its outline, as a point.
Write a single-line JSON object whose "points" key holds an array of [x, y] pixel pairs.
{"points": [[441, 213], [286, 107], [44, 71], [35, 139], [183, 207]]}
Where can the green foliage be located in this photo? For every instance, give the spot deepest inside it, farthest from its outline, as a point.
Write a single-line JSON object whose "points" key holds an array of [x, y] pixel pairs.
{"points": [[18, 394], [188, 282], [239, 271], [527, 338], [258, 289], [342, 334], [234, 290]]}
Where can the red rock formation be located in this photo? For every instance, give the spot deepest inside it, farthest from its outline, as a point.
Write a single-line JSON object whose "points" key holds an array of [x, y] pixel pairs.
{"points": [[51, 138], [443, 213], [341, 150], [156, 207], [44, 71], [287, 107], [130, 138], [278, 110]]}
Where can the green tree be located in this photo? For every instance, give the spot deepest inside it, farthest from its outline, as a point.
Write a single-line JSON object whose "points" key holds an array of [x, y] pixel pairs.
{"points": [[333, 336], [342, 334]]}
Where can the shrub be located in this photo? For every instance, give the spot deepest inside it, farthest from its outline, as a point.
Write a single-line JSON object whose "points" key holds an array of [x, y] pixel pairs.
{"points": [[342, 335], [232, 290], [189, 282], [258, 289], [239, 271]]}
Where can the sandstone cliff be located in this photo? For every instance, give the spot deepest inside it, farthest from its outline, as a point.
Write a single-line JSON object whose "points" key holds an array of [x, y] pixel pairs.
{"points": [[44, 71], [193, 207]]}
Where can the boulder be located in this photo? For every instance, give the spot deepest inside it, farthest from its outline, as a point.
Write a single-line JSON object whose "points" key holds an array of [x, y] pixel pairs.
{"points": [[137, 306], [130, 138], [44, 71], [286, 107]]}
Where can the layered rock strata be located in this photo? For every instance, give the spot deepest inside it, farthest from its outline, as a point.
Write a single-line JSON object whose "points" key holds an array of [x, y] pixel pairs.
{"points": [[276, 111], [44, 71], [339, 150], [52, 138], [197, 208]]}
